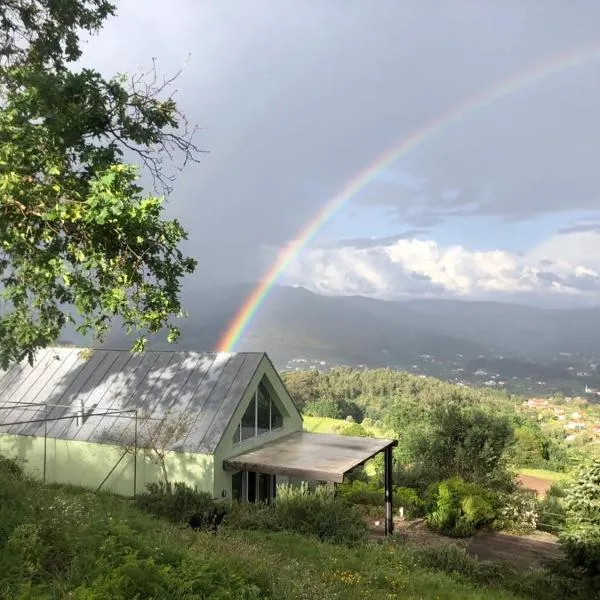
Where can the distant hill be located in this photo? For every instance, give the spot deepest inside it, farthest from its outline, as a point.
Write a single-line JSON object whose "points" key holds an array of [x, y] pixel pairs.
{"points": [[295, 323]]}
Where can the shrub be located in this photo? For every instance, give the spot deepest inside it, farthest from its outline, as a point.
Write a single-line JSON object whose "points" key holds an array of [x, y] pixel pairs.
{"points": [[181, 505], [581, 535], [409, 499], [551, 509], [355, 430], [297, 509], [539, 584], [11, 466], [362, 492], [518, 512], [459, 507]]}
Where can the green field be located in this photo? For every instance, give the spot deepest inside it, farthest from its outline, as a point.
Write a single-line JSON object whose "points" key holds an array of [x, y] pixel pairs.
{"points": [[544, 474], [328, 425]]}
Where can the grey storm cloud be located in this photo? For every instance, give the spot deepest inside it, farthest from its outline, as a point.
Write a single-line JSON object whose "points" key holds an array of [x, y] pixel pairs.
{"points": [[294, 99], [362, 243], [580, 228], [582, 283]]}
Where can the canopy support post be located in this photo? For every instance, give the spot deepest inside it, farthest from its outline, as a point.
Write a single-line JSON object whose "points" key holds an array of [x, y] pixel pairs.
{"points": [[389, 522]]}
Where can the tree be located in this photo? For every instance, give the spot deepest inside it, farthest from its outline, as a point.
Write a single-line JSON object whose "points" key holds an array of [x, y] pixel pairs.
{"points": [[156, 437], [581, 535], [80, 243], [463, 441]]}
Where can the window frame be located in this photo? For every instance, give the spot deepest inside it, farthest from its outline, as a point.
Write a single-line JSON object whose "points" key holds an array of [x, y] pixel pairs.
{"points": [[237, 436]]}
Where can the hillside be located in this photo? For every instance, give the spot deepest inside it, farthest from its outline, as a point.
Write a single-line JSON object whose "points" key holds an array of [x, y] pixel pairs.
{"points": [[69, 543]]}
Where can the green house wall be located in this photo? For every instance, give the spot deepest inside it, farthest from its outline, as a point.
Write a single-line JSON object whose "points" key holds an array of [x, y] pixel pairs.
{"points": [[87, 464], [292, 421]]}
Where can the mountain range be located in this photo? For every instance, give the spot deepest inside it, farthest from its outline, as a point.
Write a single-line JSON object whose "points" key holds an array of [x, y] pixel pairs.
{"points": [[296, 323]]}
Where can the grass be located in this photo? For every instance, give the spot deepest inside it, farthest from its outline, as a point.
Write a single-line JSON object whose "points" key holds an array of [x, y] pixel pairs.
{"points": [[64, 542], [328, 425], [544, 474]]}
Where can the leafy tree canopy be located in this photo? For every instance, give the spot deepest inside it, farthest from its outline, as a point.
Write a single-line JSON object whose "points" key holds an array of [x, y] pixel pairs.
{"points": [[80, 242]]}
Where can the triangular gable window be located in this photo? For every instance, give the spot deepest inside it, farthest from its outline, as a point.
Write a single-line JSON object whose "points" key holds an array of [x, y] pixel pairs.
{"points": [[261, 416]]}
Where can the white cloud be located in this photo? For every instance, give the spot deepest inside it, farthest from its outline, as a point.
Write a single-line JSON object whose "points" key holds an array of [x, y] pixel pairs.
{"points": [[565, 265]]}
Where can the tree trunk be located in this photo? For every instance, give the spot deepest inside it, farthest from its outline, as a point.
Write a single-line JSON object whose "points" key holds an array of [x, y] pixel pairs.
{"points": [[163, 467]]}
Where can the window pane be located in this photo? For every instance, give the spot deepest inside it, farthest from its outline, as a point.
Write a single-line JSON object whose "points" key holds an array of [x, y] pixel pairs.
{"points": [[263, 417], [276, 418], [249, 421], [252, 480], [237, 434], [237, 486]]}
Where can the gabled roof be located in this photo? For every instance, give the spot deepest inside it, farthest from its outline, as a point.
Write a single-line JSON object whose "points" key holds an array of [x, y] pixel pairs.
{"points": [[77, 380]]}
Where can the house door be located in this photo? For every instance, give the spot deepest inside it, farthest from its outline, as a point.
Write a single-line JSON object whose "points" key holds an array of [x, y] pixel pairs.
{"points": [[250, 486]]}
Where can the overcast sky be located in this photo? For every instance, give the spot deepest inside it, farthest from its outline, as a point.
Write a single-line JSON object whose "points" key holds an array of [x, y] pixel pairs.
{"points": [[295, 97]]}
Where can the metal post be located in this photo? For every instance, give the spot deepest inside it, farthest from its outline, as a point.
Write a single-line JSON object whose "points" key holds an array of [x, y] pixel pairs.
{"points": [[45, 440], [135, 452], [389, 523]]}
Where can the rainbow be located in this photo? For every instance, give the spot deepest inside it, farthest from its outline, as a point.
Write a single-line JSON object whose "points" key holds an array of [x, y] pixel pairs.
{"points": [[255, 299]]}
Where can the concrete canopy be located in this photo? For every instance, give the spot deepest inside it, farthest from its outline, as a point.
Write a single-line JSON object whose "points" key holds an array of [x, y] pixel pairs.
{"points": [[310, 456]]}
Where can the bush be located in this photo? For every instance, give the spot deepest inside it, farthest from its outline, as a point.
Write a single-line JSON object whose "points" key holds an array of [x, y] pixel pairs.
{"points": [[540, 584], [518, 512], [459, 508], [181, 505], [551, 510], [581, 535], [409, 499], [11, 466], [362, 492], [296, 509], [355, 430]]}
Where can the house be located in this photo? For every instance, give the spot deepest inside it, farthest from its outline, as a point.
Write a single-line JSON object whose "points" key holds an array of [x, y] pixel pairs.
{"points": [[86, 417]]}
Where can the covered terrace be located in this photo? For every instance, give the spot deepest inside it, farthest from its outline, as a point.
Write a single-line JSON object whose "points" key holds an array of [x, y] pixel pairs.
{"points": [[318, 457]]}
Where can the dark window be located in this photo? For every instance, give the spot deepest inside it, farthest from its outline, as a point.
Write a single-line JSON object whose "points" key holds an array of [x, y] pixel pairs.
{"points": [[261, 416], [276, 418], [249, 420], [237, 486], [263, 413], [252, 481]]}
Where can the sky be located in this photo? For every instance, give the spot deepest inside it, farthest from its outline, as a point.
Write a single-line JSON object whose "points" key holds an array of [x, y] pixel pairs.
{"points": [[295, 98]]}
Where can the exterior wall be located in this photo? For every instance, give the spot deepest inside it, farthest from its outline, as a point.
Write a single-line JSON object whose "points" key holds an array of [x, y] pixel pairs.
{"points": [[292, 421], [86, 464]]}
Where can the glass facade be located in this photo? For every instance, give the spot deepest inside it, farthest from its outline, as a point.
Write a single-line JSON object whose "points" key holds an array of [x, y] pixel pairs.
{"points": [[261, 416]]}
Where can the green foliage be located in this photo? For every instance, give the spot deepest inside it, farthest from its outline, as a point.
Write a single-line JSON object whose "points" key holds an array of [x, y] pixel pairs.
{"points": [[10, 466], [69, 543], [79, 241], [551, 509], [408, 498], [467, 442], [297, 509], [368, 493], [459, 508], [371, 493], [178, 504], [534, 448], [355, 430], [534, 584], [111, 549], [518, 512], [333, 409], [581, 535]]}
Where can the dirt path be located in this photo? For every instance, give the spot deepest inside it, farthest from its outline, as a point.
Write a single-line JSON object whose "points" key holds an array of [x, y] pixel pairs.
{"points": [[539, 484], [521, 552]]}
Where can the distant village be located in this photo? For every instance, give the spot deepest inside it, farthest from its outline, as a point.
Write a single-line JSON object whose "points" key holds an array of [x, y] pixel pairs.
{"points": [[567, 374]]}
